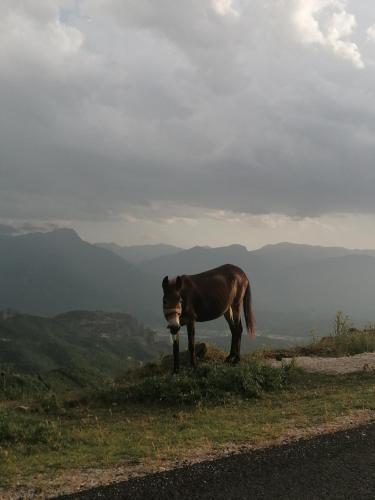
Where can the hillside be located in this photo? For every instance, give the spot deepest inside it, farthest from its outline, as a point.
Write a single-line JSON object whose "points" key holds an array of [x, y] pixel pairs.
{"points": [[50, 273], [78, 341]]}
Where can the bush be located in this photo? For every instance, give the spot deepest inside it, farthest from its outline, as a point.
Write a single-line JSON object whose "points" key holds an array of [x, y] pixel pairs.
{"points": [[209, 382], [340, 324], [354, 342], [343, 341]]}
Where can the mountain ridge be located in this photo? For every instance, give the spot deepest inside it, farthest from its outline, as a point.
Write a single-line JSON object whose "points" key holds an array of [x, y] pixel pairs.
{"points": [[50, 273], [137, 253]]}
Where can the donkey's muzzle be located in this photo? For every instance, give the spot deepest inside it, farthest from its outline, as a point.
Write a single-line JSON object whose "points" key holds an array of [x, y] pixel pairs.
{"points": [[173, 329]]}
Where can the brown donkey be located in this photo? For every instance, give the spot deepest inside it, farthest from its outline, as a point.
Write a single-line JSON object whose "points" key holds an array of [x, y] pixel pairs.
{"points": [[204, 297]]}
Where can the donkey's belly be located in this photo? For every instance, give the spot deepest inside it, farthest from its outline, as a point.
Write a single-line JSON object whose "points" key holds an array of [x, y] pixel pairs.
{"points": [[203, 316], [200, 318], [210, 318]]}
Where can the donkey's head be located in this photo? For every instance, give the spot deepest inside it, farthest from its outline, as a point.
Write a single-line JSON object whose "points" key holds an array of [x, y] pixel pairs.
{"points": [[172, 307]]}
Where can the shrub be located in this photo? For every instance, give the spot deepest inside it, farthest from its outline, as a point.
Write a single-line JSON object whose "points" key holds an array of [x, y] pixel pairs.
{"points": [[355, 342], [340, 324]]}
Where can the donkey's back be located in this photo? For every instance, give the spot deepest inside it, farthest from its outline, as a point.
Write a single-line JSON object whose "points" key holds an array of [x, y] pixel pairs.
{"points": [[227, 272]]}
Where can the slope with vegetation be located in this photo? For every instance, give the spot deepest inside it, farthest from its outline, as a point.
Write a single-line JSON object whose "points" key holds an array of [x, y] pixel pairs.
{"points": [[147, 419], [77, 346]]}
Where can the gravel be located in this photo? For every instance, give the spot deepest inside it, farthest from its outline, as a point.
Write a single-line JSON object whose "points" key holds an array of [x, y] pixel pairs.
{"points": [[333, 366]]}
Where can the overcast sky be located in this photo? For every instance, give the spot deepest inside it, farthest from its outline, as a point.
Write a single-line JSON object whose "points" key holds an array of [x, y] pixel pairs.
{"points": [[190, 122]]}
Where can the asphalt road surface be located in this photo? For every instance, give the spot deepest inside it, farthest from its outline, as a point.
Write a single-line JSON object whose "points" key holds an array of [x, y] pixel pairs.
{"points": [[334, 466]]}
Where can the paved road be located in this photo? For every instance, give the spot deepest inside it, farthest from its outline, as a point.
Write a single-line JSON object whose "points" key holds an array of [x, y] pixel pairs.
{"points": [[336, 466]]}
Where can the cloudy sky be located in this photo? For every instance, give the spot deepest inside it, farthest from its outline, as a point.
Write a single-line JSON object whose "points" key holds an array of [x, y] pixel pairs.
{"points": [[189, 122]]}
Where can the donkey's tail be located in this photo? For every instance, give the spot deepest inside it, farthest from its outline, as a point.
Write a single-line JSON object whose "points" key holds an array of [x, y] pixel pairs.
{"points": [[248, 312]]}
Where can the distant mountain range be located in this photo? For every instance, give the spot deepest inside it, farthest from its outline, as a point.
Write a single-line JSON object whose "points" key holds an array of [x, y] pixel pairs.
{"points": [[295, 287], [50, 273], [138, 253]]}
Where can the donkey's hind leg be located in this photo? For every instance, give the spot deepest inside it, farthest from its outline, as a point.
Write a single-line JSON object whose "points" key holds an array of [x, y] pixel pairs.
{"points": [[233, 317], [239, 330]]}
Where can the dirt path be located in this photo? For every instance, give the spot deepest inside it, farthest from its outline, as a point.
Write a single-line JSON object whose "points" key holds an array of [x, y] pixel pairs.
{"points": [[333, 366], [334, 466]]}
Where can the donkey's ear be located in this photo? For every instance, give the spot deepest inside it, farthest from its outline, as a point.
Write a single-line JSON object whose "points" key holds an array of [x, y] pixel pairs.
{"points": [[165, 282], [178, 283]]}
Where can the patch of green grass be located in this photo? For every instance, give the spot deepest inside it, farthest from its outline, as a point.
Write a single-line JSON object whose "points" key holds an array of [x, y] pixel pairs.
{"points": [[20, 386], [207, 383], [348, 343], [132, 433], [26, 430], [150, 416]]}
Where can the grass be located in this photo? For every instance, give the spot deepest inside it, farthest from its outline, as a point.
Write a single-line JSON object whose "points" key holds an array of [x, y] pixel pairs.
{"points": [[15, 429], [149, 417], [348, 343], [91, 435], [210, 382]]}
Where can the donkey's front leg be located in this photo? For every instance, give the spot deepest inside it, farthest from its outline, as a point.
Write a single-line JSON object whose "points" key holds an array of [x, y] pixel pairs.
{"points": [[176, 350], [191, 338]]}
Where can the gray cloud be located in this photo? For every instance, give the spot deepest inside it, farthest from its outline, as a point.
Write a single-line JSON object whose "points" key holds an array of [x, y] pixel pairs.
{"points": [[253, 107], [26, 227]]}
